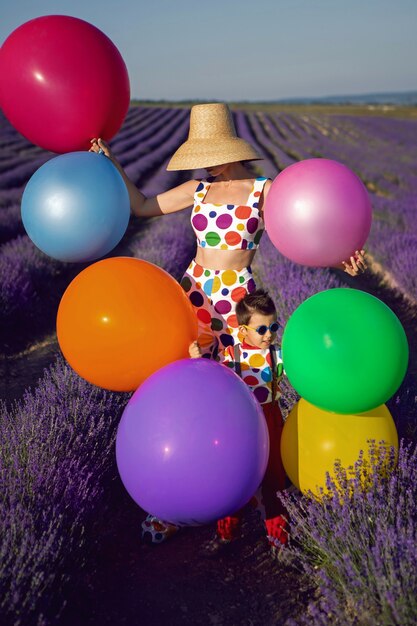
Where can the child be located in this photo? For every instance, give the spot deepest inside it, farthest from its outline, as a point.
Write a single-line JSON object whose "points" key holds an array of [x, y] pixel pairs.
{"points": [[258, 361]]}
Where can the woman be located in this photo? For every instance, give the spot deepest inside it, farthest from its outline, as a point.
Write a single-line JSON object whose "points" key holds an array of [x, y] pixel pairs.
{"points": [[227, 218]]}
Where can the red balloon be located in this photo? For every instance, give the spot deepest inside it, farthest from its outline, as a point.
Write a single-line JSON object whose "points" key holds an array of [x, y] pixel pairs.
{"points": [[63, 82]]}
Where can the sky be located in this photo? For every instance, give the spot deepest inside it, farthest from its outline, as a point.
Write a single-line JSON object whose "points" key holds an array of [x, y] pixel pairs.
{"points": [[258, 50]]}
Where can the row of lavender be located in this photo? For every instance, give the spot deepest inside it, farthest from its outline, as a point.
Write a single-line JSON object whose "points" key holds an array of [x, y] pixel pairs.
{"points": [[358, 553], [143, 144], [383, 152], [358, 547], [31, 284], [57, 465], [57, 460]]}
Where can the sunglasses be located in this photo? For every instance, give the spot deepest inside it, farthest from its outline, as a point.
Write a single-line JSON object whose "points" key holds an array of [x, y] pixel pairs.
{"points": [[261, 330]]}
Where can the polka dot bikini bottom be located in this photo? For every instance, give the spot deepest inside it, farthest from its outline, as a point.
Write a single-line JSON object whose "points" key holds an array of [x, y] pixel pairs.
{"points": [[214, 295]]}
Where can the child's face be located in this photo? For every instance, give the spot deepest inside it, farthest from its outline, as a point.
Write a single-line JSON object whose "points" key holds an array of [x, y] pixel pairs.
{"points": [[250, 334]]}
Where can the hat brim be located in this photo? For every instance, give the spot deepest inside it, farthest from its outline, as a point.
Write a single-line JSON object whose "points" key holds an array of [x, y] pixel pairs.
{"points": [[196, 154]]}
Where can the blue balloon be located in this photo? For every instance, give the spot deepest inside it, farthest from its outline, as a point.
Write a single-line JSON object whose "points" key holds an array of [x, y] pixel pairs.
{"points": [[76, 207]]}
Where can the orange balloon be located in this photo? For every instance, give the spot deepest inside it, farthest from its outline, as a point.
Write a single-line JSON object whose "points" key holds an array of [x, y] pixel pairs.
{"points": [[121, 319]]}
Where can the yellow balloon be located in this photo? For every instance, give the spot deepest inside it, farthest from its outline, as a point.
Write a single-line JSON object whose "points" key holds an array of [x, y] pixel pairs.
{"points": [[313, 439]]}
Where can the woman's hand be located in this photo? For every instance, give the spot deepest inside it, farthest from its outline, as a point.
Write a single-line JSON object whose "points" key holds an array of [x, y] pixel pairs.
{"points": [[194, 350], [356, 265], [101, 147]]}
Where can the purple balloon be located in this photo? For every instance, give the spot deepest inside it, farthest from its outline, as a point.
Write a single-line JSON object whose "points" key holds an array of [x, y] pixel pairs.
{"points": [[318, 213], [192, 445]]}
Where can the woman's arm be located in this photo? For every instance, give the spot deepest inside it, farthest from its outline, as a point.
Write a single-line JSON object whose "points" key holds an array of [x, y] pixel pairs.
{"points": [[170, 201]]}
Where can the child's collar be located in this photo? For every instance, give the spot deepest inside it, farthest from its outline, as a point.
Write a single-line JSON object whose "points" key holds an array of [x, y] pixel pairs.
{"points": [[248, 346]]}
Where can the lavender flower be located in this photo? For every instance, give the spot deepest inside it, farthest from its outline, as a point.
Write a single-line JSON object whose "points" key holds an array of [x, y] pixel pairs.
{"points": [[360, 544], [56, 464]]}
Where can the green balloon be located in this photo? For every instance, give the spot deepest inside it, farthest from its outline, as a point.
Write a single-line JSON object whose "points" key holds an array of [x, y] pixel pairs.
{"points": [[345, 351]]}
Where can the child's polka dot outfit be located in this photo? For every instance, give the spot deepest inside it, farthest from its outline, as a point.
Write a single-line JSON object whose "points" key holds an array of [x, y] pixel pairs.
{"points": [[215, 293], [256, 369], [255, 366]]}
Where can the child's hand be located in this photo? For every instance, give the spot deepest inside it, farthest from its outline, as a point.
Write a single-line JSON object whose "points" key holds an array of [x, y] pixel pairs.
{"points": [[356, 265], [194, 350], [101, 147]]}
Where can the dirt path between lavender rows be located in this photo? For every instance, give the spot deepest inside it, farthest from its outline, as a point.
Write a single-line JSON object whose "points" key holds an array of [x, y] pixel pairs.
{"points": [[172, 584]]}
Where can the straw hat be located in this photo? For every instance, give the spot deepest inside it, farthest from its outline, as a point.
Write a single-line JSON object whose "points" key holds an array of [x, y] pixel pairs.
{"points": [[211, 141]]}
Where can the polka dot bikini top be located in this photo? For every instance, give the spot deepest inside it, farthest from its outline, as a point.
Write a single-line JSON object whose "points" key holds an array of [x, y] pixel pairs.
{"points": [[255, 364], [228, 226]]}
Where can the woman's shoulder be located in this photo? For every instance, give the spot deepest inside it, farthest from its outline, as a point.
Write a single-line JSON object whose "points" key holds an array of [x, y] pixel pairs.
{"points": [[265, 190], [193, 185]]}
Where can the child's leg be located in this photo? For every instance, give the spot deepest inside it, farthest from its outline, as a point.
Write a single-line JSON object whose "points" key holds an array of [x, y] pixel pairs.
{"points": [[229, 527], [227, 530], [275, 516]]}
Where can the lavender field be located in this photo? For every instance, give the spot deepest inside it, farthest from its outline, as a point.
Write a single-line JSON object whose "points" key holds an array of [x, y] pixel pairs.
{"points": [[57, 467]]}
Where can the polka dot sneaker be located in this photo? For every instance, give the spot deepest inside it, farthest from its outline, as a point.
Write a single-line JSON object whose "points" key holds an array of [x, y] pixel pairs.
{"points": [[156, 531]]}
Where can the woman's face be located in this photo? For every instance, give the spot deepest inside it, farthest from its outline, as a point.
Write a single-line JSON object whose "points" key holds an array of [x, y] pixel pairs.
{"points": [[217, 170]]}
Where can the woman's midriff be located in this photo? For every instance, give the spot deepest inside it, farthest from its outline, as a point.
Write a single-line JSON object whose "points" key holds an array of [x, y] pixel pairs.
{"points": [[224, 259]]}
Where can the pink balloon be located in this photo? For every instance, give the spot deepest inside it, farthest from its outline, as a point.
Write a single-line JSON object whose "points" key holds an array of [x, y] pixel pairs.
{"points": [[318, 213], [63, 82]]}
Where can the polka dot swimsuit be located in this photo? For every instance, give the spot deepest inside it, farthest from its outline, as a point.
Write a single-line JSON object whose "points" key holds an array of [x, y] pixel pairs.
{"points": [[255, 364], [228, 226]]}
